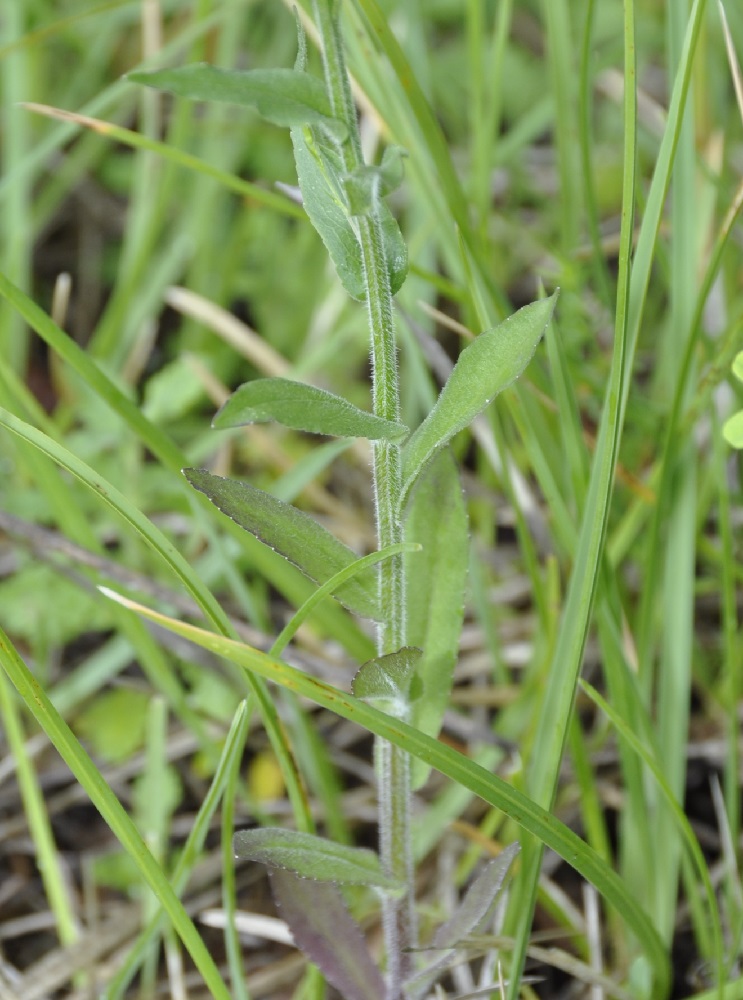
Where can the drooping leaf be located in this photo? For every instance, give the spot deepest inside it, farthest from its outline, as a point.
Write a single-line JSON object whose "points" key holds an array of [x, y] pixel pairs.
{"points": [[389, 682], [281, 96], [469, 918], [304, 408], [484, 368], [325, 931], [437, 520], [320, 175], [313, 857], [294, 534]]}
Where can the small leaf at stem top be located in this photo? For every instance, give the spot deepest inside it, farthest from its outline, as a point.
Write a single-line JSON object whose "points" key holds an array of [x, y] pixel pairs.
{"points": [[304, 408]]}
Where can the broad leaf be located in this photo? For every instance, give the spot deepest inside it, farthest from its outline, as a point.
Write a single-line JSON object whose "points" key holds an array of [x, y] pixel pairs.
{"points": [[437, 520], [294, 534], [313, 857], [470, 917], [484, 368], [325, 931], [389, 682], [282, 96], [732, 430], [320, 178], [304, 408]]}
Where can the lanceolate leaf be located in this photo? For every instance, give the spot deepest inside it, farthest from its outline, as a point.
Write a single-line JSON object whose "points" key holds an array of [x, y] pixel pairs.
{"points": [[313, 857], [437, 520], [326, 932], [478, 901], [484, 368], [282, 96], [294, 534], [320, 178], [304, 408], [390, 682], [469, 918]]}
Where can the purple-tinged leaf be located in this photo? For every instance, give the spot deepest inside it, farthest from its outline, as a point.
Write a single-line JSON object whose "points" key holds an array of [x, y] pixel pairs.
{"points": [[325, 931], [478, 901], [472, 913]]}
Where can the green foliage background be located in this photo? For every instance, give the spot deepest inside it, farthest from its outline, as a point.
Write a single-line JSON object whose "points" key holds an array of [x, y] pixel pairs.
{"points": [[511, 116]]}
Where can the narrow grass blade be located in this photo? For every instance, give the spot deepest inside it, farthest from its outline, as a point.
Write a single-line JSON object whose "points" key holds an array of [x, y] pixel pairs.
{"points": [[111, 810], [302, 614], [455, 766], [37, 817], [221, 783], [179, 157], [680, 820], [557, 703], [304, 408]]}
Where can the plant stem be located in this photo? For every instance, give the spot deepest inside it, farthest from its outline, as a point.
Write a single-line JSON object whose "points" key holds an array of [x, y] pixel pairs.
{"points": [[393, 765]]}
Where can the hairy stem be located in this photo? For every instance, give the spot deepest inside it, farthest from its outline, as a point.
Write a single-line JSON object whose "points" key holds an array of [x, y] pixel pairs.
{"points": [[393, 766]]}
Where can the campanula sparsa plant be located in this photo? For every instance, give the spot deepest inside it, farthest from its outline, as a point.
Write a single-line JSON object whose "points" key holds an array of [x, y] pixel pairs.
{"points": [[414, 592]]}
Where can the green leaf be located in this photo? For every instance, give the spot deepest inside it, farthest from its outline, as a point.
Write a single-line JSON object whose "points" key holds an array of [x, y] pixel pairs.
{"points": [[738, 366], [114, 723], [292, 533], [437, 520], [313, 857], [389, 682], [732, 430], [484, 368], [320, 175], [325, 931], [282, 96], [304, 408]]}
